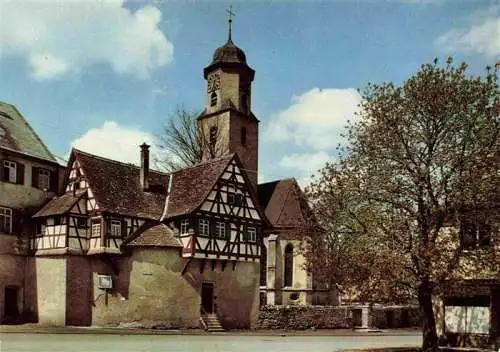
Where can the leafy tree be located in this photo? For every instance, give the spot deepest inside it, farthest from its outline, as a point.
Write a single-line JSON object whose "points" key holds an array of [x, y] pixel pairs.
{"points": [[184, 142], [421, 158]]}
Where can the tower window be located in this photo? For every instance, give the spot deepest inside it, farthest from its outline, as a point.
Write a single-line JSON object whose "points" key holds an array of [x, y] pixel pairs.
{"points": [[288, 265], [213, 99], [213, 135], [243, 135]]}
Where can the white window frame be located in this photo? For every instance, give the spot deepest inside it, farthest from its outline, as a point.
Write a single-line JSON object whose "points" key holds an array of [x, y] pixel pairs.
{"points": [[96, 226], [220, 229], [12, 166], [252, 234], [184, 228], [204, 227], [6, 219], [116, 228], [43, 179]]}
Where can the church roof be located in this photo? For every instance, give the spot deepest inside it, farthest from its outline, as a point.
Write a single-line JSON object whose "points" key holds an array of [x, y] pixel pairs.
{"points": [[229, 53], [285, 205], [17, 135], [153, 235], [117, 189]]}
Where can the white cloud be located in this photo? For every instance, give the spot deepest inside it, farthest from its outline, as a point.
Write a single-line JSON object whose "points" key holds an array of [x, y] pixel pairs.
{"points": [[116, 142], [315, 119], [57, 37], [482, 37], [306, 164]]}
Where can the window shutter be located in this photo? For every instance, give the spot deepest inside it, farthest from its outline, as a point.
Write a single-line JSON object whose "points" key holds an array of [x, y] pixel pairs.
{"points": [[5, 172], [20, 174], [245, 233], [54, 181], [34, 176], [228, 230], [124, 228], [107, 224], [212, 228], [16, 222]]}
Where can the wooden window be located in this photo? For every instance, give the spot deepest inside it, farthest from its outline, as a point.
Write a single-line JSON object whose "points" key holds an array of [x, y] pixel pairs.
{"points": [[239, 199], [81, 222], [252, 234], [213, 99], [40, 227], [220, 229], [116, 228], [5, 220], [57, 220], [10, 171], [204, 227], [43, 179], [96, 228], [288, 282], [231, 198], [474, 234], [184, 228]]}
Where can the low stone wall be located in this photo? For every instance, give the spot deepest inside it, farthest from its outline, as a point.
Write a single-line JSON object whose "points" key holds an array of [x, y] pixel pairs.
{"points": [[302, 317], [335, 317], [391, 317]]}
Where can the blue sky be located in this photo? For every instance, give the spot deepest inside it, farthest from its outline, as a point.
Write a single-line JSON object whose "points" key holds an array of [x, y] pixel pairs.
{"points": [[106, 75]]}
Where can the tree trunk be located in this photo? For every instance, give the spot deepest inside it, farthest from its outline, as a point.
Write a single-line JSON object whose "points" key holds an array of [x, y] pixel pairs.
{"points": [[430, 341]]}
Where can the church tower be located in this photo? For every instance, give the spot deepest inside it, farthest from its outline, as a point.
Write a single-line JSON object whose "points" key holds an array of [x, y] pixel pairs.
{"points": [[227, 122]]}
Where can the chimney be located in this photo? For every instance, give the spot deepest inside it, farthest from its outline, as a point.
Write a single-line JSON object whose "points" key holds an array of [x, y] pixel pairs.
{"points": [[144, 166]]}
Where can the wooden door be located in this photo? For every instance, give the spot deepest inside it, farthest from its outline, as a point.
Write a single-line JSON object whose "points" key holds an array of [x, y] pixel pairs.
{"points": [[11, 301], [207, 297]]}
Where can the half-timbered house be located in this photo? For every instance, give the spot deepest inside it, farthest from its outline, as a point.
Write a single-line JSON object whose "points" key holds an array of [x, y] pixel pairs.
{"points": [[126, 244], [153, 238]]}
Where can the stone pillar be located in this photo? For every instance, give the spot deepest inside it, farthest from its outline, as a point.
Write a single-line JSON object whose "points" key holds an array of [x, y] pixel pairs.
{"points": [[271, 269], [365, 317]]}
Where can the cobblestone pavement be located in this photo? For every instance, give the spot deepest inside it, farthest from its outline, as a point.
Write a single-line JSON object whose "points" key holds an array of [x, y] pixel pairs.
{"points": [[202, 342]]}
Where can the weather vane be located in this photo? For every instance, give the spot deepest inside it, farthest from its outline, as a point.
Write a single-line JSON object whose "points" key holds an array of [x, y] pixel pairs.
{"points": [[230, 15]]}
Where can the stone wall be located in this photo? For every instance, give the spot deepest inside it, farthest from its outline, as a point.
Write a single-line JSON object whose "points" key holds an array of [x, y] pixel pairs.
{"points": [[395, 317], [303, 317], [334, 317]]}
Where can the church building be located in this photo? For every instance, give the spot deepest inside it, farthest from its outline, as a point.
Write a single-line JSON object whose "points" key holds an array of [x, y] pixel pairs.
{"points": [[203, 245]]}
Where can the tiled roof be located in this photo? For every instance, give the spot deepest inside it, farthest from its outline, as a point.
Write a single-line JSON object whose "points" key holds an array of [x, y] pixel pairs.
{"points": [[285, 205], [16, 134], [159, 235], [60, 205], [117, 189], [192, 185]]}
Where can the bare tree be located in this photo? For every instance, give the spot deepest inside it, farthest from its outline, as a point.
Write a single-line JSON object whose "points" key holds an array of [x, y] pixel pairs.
{"points": [[185, 142], [422, 158]]}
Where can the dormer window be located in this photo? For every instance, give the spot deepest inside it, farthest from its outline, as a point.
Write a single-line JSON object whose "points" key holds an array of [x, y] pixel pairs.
{"points": [[213, 99]]}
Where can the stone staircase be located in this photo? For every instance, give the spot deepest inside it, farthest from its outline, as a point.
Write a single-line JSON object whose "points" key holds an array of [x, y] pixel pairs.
{"points": [[211, 323]]}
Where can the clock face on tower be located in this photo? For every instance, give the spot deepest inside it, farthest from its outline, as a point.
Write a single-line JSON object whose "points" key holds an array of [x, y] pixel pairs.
{"points": [[213, 82]]}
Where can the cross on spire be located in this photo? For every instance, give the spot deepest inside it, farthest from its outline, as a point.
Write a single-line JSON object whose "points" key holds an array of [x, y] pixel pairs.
{"points": [[230, 15]]}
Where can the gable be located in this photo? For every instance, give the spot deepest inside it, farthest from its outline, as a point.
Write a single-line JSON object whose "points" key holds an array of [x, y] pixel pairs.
{"points": [[77, 181], [230, 196]]}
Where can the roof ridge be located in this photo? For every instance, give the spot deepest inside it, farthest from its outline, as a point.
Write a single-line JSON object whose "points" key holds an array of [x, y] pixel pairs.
{"points": [[117, 162], [203, 163], [279, 180]]}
